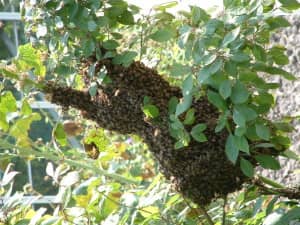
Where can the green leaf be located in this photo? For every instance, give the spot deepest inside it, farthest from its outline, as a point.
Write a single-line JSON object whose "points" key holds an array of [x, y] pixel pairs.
{"points": [[278, 55], [117, 35], [197, 132], [240, 131], [187, 85], [291, 155], [216, 100], [264, 98], [3, 122], [239, 93], [231, 149], [203, 75], [189, 117], [277, 22], [290, 4], [110, 44], [208, 59], [88, 47], [126, 18], [264, 145], [162, 35], [247, 167], [93, 89], [146, 100], [248, 75], [92, 26], [215, 66], [198, 15], [259, 53], [176, 124], [103, 21], [200, 137], [247, 112], [25, 108], [270, 182], [268, 5], [262, 131], [23, 222], [212, 25], [8, 102], [19, 129], [29, 58], [183, 138], [288, 217], [240, 57], [281, 141], [60, 135], [228, 3], [273, 70], [222, 121], [151, 111], [118, 7], [239, 118], [164, 6], [125, 59], [172, 105], [8, 74], [268, 162], [184, 105], [231, 68], [242, 144], [179, 69], [285, 127], [230, 37], [225, 89]]}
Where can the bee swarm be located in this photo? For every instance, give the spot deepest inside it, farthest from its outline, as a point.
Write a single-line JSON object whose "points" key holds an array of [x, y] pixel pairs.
{"points": [[201, 171]]}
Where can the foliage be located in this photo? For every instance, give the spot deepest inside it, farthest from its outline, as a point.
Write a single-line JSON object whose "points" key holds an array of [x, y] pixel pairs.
{"points": [[225, 59]]}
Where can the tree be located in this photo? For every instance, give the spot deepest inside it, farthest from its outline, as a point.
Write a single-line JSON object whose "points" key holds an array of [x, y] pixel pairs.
{"points": [[205, 122]]}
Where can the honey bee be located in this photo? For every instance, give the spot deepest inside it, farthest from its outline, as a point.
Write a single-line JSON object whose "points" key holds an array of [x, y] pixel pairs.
{"points": [[91, 150], [200, 171]]}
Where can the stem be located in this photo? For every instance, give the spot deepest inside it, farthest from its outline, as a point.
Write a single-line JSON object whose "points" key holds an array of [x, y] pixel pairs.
{"points": [[206, 215], [141, 42], [201, 210], [224, 211], [85, 165], [290, 193]]}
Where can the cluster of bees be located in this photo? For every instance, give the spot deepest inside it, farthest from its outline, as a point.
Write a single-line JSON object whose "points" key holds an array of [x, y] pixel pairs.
{"points": [[199, 171]]}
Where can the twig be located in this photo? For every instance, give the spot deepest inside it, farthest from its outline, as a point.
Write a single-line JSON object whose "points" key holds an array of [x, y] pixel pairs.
{"points": [[207, 216], [291, 193], [224, 211], [200, 210], [36, 151]]}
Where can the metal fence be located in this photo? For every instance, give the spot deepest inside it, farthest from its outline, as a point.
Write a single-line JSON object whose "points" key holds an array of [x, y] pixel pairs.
{"points": [[11, 44]]}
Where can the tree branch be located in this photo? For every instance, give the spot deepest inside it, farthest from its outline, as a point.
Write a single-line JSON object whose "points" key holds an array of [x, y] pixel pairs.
{"points": [[224, 211], [291, 193]]}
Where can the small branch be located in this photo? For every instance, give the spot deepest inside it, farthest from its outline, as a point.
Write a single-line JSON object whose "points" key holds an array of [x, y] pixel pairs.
{"points": [[224, 211], [89, 166], [201, 210], [207, 216], [291, 193]]}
